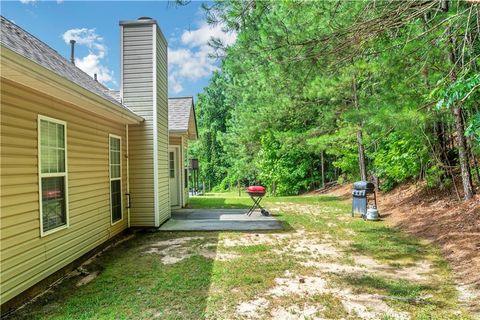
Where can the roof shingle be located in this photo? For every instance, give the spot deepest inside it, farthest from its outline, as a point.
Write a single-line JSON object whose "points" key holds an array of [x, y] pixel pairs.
{"points": [[179, 110], [16, 39]]}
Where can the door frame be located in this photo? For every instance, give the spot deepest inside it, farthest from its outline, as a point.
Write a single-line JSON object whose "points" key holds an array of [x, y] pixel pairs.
{"points": [[176, 151]]}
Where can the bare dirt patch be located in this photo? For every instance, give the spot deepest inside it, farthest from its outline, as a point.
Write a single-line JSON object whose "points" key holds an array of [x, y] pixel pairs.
{"points": [[252, 309], [420, 272], [367, 306], [364, 306], [297, 285], [323, 258], [252, 239], [87, 279], [296, 312], [309, 247], [175, 250]]}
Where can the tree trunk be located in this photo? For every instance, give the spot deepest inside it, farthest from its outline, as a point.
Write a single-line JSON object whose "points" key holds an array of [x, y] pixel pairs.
{"points": [[459, 125], [463, 154], [475, 165], [323, 168], [361, 147], [361, 156]]}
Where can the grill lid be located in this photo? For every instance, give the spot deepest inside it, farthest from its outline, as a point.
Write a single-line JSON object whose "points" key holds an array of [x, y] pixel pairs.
{"points": [[257, 189], [364, 185]]}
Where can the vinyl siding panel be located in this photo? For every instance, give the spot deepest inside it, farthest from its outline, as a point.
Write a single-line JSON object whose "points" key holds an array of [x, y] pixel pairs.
{"points": [[26, 257], [162, 127], [137, 89], [145, 91]]}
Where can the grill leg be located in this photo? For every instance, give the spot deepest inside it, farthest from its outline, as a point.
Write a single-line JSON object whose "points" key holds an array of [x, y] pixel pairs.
{"points": [[252, 207], [256, 204]]}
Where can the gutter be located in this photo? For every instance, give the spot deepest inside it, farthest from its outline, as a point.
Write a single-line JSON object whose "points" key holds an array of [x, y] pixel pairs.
{"points": [[177, 131]]}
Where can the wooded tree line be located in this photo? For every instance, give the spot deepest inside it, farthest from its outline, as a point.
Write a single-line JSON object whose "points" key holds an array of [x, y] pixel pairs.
{"points": [[320, 91]]}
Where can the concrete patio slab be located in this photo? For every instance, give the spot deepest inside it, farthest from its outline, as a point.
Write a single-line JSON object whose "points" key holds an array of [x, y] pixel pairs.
{"points": [[219, 220]]}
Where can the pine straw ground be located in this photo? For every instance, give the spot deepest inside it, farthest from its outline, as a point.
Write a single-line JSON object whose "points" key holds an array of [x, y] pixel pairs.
{"points": [[440, 217]]}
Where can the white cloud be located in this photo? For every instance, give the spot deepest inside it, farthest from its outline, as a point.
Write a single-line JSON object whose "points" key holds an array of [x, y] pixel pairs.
{"points": [[194, 61], [27, 1], [91, 63], [175, 86], [202, 35]]}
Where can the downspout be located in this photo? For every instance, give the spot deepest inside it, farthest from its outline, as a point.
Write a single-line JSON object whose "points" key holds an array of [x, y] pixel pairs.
{"points": [[128, 179]]}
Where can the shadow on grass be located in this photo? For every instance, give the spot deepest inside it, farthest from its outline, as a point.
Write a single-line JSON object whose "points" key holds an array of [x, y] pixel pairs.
{"points": [[162, 275], [388, 244], [134, 283], [395, 288]]}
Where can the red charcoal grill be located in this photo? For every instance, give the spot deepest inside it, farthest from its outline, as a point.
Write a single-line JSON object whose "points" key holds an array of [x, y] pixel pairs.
{"points": [[256, 193]]}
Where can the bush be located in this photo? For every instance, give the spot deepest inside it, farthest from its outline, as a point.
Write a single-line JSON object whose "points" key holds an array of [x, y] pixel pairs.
{"points": [[399, 158]]}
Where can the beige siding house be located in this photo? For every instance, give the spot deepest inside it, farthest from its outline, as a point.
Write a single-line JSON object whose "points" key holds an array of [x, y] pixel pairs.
{"points": [[79, 163], [182, 127]]}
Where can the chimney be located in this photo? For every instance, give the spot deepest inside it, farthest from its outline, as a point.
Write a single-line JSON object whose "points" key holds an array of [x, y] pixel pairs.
{"points": [[95, 77], [143, 77], [72, 51]]}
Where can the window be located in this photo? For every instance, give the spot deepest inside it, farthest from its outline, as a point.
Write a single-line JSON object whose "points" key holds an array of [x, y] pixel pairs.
{"points": [[172, 164], [115, 178], [52, 174]]}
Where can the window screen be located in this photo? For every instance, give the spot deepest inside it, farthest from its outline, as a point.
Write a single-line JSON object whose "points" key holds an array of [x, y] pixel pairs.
{"points": [[115, 179], [53, 173]]}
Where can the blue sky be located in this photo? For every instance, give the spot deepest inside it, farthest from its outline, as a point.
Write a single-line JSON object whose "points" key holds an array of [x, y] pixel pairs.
{"points": [[94, 24]]}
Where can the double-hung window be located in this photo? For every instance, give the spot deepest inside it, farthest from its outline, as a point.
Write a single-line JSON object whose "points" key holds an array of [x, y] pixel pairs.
{"points": [[52, 142], [115, 178]]}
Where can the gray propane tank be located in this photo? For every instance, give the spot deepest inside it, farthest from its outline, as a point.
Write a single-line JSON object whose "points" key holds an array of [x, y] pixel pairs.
{"points": [[372, 214]]}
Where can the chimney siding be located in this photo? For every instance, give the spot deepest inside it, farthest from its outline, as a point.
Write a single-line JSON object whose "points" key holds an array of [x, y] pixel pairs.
{"points": [[144, 91]]}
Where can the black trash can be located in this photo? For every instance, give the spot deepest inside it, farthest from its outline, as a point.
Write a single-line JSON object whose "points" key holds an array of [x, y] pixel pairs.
{"points": [[363, 195]]}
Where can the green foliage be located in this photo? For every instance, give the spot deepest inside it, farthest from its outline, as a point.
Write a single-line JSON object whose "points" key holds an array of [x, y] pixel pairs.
{"points": [[305, 76], [399, 158], [435, 178], [473, 129], [463, 90]]}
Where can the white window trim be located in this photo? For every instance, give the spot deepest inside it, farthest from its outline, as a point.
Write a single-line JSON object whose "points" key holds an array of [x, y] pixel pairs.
{"points": [[170, 161], [46, 175], [110, 180]]}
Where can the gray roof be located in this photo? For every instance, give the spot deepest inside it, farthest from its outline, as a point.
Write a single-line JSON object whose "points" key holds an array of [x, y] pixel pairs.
{"points": [[179, 110], [15, 38]]}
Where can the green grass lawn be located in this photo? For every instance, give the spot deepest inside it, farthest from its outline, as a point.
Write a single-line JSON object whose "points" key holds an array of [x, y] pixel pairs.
{"points": [[309, 270]]}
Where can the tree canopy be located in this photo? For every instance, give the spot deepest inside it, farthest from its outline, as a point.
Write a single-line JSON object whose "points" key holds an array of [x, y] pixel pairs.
{"points": [[319, 91]]}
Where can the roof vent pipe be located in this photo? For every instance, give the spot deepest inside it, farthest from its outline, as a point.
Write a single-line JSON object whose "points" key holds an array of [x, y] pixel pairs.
{"points": [[72, 51], [95, 77]]}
